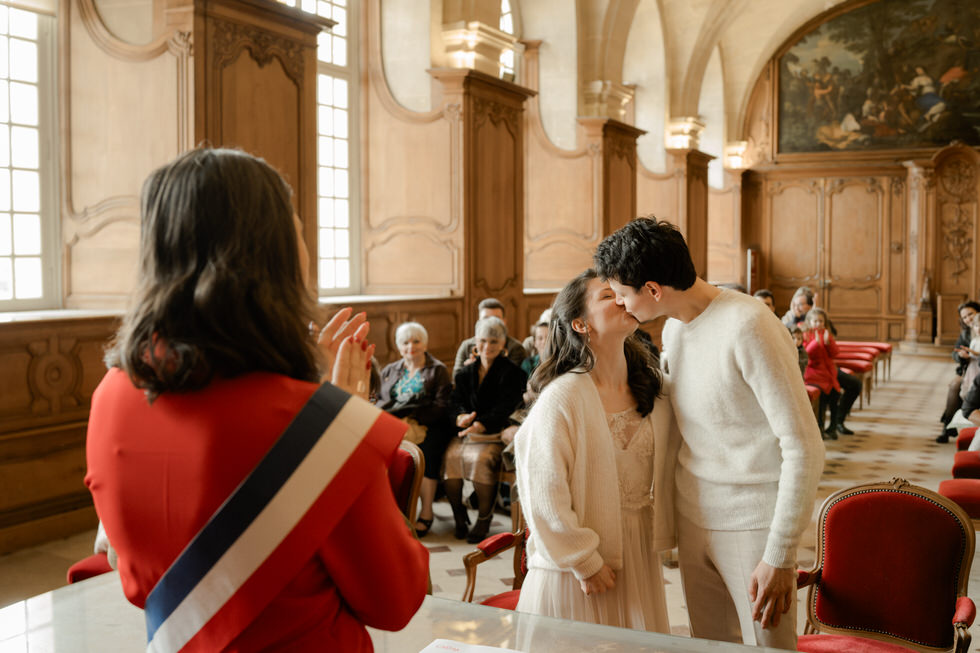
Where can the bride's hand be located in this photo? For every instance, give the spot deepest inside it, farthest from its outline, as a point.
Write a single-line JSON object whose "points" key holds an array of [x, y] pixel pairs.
{"points": [[599, 582]]}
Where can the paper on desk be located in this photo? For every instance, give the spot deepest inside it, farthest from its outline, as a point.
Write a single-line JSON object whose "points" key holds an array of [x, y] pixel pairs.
{"points": [[451, 646]]}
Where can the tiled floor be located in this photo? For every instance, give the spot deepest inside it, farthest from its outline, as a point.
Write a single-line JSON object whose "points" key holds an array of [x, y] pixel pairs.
{"points": [[894, 438]]}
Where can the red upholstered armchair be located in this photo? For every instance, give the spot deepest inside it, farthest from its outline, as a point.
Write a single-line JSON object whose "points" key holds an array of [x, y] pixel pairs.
{"points": [[892, 568], [491, 548], [405, 476]]}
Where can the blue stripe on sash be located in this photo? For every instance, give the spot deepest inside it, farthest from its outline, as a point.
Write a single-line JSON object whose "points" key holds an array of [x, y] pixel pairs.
{"points": [[244, 505]]}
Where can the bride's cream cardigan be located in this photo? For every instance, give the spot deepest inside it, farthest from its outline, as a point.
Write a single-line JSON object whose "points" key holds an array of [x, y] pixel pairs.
{"points": [[568, 483]]}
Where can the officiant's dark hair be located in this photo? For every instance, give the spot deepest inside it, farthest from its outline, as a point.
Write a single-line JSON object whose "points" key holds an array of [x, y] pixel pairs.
{"points": [[220, 289]]}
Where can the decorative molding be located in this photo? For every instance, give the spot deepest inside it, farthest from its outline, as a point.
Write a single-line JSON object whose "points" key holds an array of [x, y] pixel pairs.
{"points": [[957, 236], [959, 177], [230, 38], [623, 147], [54, 375], [777, 187], [485, 109], [112, 45]]}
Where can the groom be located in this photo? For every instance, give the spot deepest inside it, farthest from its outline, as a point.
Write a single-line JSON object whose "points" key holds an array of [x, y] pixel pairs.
{"points": [[751, 456]]}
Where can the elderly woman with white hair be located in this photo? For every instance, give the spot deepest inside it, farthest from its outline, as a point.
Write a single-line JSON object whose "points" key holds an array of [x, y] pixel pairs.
{"points": [[487, 392], [418, 388]]}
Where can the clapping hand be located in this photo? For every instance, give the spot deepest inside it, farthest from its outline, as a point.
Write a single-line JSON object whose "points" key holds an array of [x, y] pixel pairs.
{"points": [[343, 342]]}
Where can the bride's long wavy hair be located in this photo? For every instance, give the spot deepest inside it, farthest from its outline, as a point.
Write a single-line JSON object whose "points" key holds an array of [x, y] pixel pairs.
{"points": [[568, 351]]}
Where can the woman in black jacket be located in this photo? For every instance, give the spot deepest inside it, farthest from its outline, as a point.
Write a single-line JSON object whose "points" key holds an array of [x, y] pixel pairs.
{"points": [[487, 392]]}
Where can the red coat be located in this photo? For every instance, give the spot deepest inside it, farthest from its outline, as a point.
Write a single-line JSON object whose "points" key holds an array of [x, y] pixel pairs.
{"points": [[157, 472], [820, 370]]}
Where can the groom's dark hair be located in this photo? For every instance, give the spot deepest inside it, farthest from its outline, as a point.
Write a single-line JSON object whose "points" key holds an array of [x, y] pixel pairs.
{"points": [[644, 250]]}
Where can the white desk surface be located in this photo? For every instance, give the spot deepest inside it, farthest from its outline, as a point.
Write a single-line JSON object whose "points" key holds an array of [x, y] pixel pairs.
{"points": [[94, 616]]}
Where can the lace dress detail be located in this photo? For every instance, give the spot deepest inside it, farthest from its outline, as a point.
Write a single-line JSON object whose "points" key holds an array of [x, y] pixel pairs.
{"points": [[633, 438]]}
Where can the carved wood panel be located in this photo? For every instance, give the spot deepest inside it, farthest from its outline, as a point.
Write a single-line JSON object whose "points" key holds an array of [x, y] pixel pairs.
{"points": [[956, 217], [853, 260]]}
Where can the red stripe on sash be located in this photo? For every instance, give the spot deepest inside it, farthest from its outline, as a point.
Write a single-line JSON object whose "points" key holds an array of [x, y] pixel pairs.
{"points": [[302, 543]]}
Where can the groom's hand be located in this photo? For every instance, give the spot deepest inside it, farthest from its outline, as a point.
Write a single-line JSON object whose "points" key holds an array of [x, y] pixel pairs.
{"points": [[771, 591]]}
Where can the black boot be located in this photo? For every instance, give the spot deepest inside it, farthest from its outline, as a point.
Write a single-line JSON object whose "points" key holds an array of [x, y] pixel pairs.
{"points": [[480, 529], [843, 430], [462, 522], [946, 435]]}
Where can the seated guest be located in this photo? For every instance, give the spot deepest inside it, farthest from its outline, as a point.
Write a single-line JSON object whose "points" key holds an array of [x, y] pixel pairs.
{"points": [[801, 354], [799, 306], [766, 297], [540, 335], [466, 353], [238, 527], [487, 392], [822, 372], [528, 343], [954, 394], [418, 388]]}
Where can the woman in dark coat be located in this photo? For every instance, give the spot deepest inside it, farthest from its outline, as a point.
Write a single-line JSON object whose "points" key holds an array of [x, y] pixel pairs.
{"points": [[487, 392]]}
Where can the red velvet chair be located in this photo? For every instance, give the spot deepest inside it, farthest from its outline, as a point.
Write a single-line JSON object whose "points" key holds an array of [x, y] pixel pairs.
{"points": [[860, 369], [964, 438], [966, 464], [892, 569], [491, 548], [884, 348], [94, 565], [405, 476]]}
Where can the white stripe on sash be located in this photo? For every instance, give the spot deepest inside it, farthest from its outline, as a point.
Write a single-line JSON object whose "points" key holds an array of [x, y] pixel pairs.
{"points": [[268, 529]]}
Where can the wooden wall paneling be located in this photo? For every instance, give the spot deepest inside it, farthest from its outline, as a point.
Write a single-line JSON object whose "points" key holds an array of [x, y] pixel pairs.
{"points": [[752, 225], [560, 234], [493, 190], [956, 243], [110, 91], [255, 88], [618, 173], [897, 256], [662, 195], [50, 370], [692, 219], [793, 235], [411, 185], [855, 230], [726, 260], [920, 194]]}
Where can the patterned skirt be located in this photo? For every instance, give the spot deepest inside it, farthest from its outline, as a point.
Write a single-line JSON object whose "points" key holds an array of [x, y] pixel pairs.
{"points": [[475, 461]]}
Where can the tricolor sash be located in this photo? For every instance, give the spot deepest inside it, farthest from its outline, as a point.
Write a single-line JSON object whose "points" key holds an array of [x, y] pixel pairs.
{"points": [[271, 525]]}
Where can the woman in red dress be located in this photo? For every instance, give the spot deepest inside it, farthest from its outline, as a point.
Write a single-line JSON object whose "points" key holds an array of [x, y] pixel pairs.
{"points": [[211, 364]]}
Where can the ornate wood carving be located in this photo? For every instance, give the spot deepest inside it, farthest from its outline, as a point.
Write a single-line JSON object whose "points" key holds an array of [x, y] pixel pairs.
{"points": [[54, 374], [485, 109], [957, 223], [230, 38]]}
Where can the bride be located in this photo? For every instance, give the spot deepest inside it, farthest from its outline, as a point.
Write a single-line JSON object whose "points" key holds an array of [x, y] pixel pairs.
{"points": [[593, 468]]}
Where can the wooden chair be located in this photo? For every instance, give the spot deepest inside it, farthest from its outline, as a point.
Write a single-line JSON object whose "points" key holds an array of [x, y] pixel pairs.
{"points": [[490, 548], [893, 563], [405, 476]]}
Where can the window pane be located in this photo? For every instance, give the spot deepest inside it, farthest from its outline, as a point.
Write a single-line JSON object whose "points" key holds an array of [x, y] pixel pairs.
{"points": [[27, 191], [341, 210], [3, 56], [7, 279], [342, 243], [23, 60], [4, 104], [339, 123], [326, 212], [4, 145], [323, 47], [505, 6], [325, 151], [340, 3], [343, 274], [339, 51], [4, 189], [326, 242], [23, 103], [27, 278], [6, 247], [339, 15], [324, 120], [23, 23], [326, 273], [340, 93], [340, 153], [24, 147], [507, 23], [309, 6], [326, 182], [507, 59], [340, 183], [27, 235], [3, 19], [324, 89]]}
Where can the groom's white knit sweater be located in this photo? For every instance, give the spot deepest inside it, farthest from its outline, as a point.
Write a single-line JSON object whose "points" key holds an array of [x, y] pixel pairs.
{"points": [[752, 454]]}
